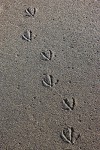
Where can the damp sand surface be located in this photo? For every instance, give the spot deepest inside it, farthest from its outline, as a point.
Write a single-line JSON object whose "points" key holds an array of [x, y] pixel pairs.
{"points": [[49, 75]]}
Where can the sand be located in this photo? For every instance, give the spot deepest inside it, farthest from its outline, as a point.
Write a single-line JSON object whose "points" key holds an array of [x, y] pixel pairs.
{"points": [[49, 75]]}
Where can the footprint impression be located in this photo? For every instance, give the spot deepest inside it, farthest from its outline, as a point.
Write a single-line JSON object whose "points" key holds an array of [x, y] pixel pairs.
{"points": [[47, 55], [69, 136], [69, 104], [27, 35], [30, 12]]}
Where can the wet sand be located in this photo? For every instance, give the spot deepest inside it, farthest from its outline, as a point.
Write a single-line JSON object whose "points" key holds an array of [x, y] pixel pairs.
{"points": [[49, 75]]}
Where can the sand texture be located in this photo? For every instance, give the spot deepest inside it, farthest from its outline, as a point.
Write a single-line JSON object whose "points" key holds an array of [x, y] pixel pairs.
{"points": [[49, 74]]}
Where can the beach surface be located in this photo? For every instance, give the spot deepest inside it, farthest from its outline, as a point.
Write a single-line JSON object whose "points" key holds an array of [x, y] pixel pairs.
{"points": [[49, 74]]}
